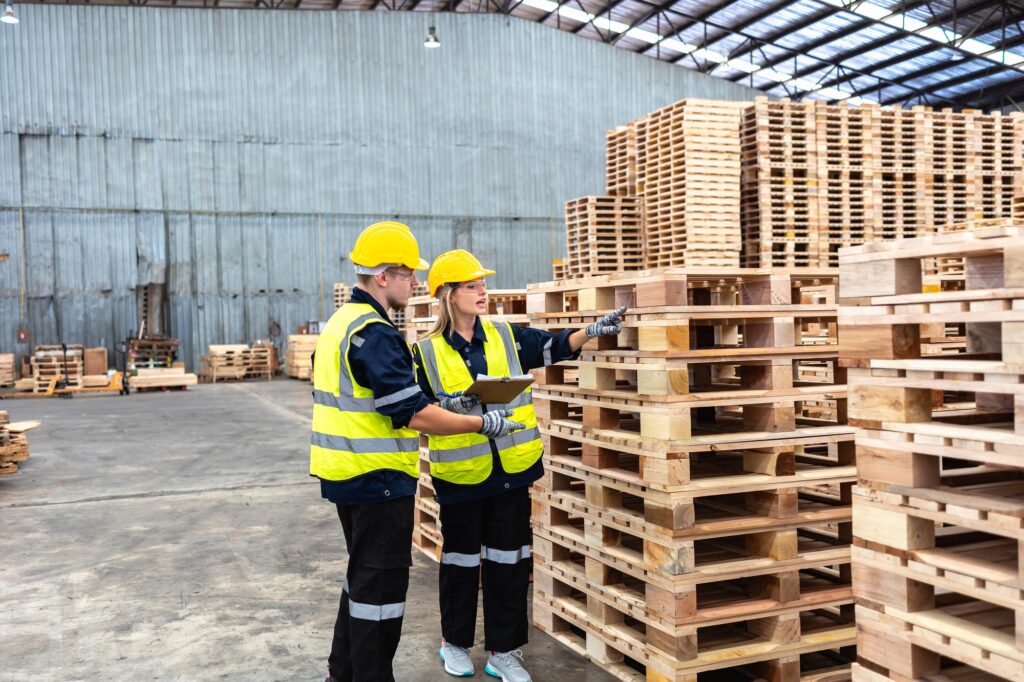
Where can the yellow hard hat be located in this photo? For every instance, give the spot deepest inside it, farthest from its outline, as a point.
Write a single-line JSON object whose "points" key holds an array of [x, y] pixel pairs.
{"points": [[454, 267], [387, 242]]}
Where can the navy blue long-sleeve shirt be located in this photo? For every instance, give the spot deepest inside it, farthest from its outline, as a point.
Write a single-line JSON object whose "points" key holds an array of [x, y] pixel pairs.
{"points": [[382, 363], [537, 348]]}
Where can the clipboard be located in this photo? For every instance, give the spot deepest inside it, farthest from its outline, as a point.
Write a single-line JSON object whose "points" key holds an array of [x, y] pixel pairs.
{"points": [[498, 391]]}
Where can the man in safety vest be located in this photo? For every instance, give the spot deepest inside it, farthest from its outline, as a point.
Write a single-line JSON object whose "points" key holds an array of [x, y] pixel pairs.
{"points": [[367, 412]]}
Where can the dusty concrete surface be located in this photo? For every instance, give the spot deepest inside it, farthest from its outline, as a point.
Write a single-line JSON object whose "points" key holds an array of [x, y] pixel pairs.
{"points": [[177, 536]]}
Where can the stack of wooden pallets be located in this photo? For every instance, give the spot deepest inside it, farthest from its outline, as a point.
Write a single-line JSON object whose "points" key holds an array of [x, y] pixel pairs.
{"points": [[938, 514], [298, 362], [224, 362], [695, 516], [13, 444], [817, 177], [236, 361], [691, 184], [342, 292], [50, 363], [621, 161], [152, 352], [604, 234], [6, 370], [780, 184]]}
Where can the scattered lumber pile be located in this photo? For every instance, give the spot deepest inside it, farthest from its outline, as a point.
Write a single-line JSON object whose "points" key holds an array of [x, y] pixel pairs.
{"points": [[695, 515], [13, 443], [938, 518]]}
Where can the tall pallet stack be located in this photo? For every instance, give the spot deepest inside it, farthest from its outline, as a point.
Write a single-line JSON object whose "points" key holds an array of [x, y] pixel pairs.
{"points": [[938, 513], [690, 179], [694, 520], [604, 234], [900, 178], [780, 184], [621, 161]]}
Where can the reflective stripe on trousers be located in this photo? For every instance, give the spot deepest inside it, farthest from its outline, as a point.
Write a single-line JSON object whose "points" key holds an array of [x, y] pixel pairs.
{"points": [[506, 556], [372, 611]]}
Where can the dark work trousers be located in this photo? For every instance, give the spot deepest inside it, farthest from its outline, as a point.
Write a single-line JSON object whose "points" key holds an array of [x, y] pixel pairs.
{"points": [[369, 625], [497, 530]]}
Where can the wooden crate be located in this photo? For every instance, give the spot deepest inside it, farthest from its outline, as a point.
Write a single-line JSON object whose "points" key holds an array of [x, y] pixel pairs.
{"points": [[695, 515], [938, 520], [224, 362], [604, 234]]}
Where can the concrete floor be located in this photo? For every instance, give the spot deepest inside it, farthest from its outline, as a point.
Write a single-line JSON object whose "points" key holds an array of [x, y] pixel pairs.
{"points": [[177, 536]]}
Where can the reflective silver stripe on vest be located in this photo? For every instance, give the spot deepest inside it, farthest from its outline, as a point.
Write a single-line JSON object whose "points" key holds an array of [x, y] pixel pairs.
{"points": [[460, 454], [511, 356], [397, 396], [517, 438], [343, 402], [345, 387], [464, 560], [365, 445], [547, 353], [506, 556]]}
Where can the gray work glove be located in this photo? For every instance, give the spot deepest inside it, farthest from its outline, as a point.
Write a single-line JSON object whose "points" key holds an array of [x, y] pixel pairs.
{"points": [[458, 403], [608, 325], [496, 424]]}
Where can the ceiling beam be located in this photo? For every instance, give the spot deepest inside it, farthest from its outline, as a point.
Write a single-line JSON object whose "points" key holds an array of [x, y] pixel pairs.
{"points": [[687, 23], [606, 10]]}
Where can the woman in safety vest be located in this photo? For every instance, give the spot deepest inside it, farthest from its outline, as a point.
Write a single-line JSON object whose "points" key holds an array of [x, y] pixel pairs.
{"points": [[482, 484]]}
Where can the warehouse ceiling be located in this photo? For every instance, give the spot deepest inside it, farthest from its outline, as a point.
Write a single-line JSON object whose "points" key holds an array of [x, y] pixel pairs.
{"points": [[967, 53]]}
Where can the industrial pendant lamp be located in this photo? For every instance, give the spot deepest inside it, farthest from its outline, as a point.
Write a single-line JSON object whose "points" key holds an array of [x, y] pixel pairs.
{"points": [[9, 16], [431, 40]]}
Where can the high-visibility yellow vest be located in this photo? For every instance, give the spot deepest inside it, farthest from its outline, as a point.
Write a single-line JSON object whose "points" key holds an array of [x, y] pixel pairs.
{"points": [[350, 437], [466, 458]]}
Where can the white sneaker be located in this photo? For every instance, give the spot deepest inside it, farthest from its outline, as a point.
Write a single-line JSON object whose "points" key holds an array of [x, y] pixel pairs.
{"points": [[456, 660], [508, 666]]}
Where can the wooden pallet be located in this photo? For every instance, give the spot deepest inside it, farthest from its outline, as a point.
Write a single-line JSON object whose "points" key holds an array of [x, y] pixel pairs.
{"points": [[298, 362], [604, 234], [691, 504], [938, 518], [341, 294], [152, 352], [621, 161], [691, 170]]}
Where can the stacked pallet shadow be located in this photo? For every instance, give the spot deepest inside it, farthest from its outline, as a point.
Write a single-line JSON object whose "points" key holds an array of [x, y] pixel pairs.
{"points": [[508, 305], [694, 522], [938, 513]]}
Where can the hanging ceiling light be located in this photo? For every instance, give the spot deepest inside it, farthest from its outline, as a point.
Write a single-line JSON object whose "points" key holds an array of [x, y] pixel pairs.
{"points": [[9, 17], [431, 40]]}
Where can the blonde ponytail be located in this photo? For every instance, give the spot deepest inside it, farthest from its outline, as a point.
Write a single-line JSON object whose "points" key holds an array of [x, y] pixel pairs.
{"points": [[444, 313]]}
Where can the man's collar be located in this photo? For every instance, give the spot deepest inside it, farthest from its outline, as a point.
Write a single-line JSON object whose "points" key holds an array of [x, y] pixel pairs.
{"points": [[361, 296]]}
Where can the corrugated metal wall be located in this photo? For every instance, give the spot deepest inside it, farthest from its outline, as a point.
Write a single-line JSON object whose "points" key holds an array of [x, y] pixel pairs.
{"points": [[234, 155]]}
